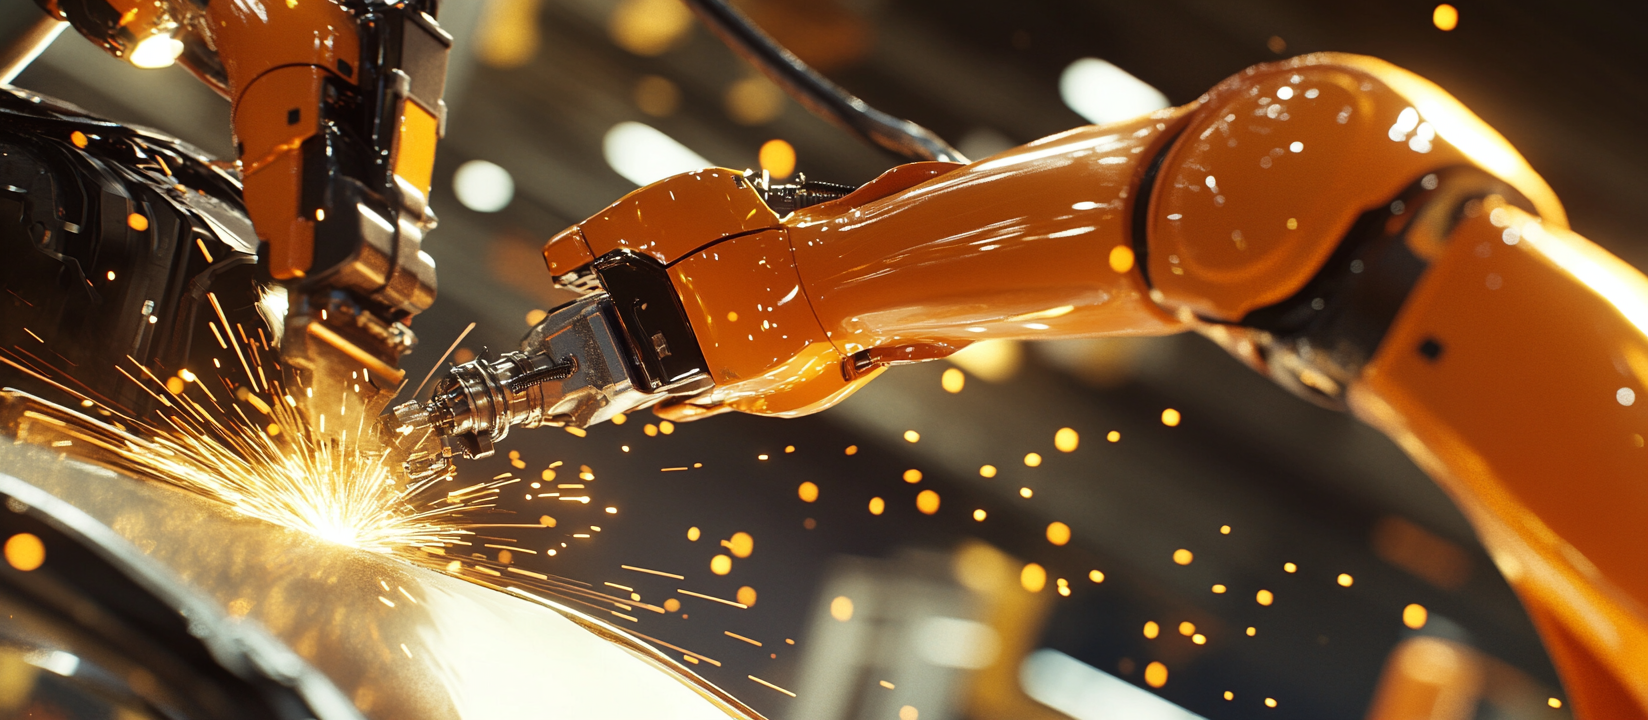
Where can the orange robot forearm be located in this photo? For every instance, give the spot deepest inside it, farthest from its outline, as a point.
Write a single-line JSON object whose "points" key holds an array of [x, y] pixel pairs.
{"points": [[917, 264]]}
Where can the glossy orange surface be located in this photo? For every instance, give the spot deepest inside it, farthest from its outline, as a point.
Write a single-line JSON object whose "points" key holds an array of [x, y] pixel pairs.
{"points": [[1278, 163], [415, 146], [255, 37], [1533, 417], [894, 180], [566, 252], [271, 163], [915, 265], [764, 346], [675, 217], [275, 55], [1013, 246]]}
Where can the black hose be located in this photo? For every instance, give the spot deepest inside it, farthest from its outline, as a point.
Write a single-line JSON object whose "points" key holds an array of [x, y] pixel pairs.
{"points": [[540, 374], [824, 98]]}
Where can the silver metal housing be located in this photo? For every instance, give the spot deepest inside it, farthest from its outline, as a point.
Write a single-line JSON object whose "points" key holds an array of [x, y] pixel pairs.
{"points": [[574, 368]]}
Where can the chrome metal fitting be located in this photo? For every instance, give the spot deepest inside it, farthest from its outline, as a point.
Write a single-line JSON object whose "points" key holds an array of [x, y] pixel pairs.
{"points": [[575, 368]]}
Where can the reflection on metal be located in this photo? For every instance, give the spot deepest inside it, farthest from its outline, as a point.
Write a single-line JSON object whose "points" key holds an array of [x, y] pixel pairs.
{"points": [[824, 98], [124, 637], [880, 639], [576, 367], [1085, 692], [955, 643], [945, 630], [399, 641], [1427, 677]]}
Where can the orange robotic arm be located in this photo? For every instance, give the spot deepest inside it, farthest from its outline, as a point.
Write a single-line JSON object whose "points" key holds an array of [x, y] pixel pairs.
{"points": [[336, 112], [1335, 222]]}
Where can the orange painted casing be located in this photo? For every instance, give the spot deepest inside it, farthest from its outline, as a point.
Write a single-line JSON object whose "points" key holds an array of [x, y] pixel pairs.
{"points": [[566, 252], [765, 349], [415, 141], [675, 217], [1279, 161], [1013, 246], [897, 179], [275, 56], [667, 220], [1023, 250], [1532, 414], [255, 38], [272, 166]]}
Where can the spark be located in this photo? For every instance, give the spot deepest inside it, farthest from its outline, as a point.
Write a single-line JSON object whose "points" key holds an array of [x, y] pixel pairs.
{"points": [[512, 549], [202, 439], [739, 605], [335, 491], [342, 492], [225, 320], [444, 356], [775, 687], [736, 636], [652, 572]]}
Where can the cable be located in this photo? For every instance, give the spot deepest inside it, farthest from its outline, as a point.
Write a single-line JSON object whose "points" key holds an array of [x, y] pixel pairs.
{"points": [[824, 98]]}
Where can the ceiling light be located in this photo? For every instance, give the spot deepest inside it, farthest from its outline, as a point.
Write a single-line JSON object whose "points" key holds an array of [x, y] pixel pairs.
{"points": [[1104, 93], [644, 155], [483, 186]]}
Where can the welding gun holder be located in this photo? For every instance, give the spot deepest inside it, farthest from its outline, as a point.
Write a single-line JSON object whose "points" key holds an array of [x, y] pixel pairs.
{"points": [[607, 353]]}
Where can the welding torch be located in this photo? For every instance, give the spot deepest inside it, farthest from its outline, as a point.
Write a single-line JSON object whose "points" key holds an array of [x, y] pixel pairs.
{"points": [[576, 368]]}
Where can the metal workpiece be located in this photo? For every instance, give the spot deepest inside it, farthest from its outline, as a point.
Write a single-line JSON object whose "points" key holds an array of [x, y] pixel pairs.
{"points": [[127, 634], [573, 369], [398, 640]]}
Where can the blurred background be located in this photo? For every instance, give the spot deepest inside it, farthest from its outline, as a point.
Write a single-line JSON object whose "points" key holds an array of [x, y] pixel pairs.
{"points": [[1097, 529]]}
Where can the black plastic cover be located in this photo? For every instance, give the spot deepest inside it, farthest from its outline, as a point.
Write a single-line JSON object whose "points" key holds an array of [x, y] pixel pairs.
{"points": [[666, 349]]}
